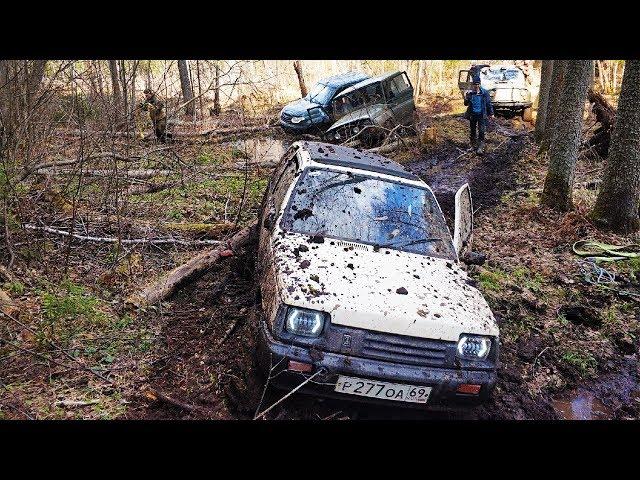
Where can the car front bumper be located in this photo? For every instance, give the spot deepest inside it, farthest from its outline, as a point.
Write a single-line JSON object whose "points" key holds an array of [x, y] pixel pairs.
{"points": [[504, 105], [444, 382]]}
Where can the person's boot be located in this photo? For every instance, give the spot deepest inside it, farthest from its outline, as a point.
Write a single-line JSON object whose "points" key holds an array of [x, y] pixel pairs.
{"points": [[480, 149]]}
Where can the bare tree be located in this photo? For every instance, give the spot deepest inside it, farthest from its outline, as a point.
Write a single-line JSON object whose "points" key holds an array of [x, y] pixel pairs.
{"points": [[297, 65], [563, 153], [185, 84], [555, 90], [546, 74], [216, 90], [36, 74], [618, 203], [419, 79], [115, 83]]}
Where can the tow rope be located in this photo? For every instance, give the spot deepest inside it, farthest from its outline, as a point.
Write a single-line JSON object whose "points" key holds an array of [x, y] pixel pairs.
{"points": [[604, 252]]}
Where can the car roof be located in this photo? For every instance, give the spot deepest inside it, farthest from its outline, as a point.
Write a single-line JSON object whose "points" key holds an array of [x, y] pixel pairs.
{"points": [[329, 154], [343, 78], [369, 81], [502, 67]]}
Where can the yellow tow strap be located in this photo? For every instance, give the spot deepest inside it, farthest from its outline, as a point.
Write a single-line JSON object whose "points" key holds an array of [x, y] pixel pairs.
{"points": [[604, 252]]}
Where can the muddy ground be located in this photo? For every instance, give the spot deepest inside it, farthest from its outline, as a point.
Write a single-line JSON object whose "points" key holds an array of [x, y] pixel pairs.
{"points": [[569, 349]]}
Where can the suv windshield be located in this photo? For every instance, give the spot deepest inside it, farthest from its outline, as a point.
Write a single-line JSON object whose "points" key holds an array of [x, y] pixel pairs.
{"points": [[501, 75], [369, 210], [369, 95], [320, 94]]}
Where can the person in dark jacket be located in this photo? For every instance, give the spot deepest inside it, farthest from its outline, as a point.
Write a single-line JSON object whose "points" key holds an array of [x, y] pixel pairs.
{"points": [[479, 108], [158, 116]]}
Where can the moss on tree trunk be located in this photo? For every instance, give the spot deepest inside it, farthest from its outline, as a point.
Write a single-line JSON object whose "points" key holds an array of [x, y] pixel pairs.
{"points": [[546, 75], [618, 203], [565, 142]]}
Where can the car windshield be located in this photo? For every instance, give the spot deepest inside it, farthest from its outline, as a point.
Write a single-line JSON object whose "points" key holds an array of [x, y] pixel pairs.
{"points": [[321, 94], [502, 75], [369, 95], [368, 210]]}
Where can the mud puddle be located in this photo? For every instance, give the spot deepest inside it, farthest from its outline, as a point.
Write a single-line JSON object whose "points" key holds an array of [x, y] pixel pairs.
{"points": [[582, 405], [260, 149], [613, 395]]}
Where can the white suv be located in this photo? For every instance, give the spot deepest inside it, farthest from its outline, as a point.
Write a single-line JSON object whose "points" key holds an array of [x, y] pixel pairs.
{"points": [[361, 286]]}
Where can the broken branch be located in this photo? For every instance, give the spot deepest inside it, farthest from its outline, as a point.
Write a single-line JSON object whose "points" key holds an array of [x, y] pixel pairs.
{"points": [[194, 268], [153, 241]]}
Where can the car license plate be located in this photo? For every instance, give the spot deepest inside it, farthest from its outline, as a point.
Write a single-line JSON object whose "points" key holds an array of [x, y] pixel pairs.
{"points": [[383, 390]]}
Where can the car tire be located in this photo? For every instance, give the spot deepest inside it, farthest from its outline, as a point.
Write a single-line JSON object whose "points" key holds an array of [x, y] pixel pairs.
{"points": [[527, 114]]}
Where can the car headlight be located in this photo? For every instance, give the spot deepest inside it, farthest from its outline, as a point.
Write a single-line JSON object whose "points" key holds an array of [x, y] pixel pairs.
{"points": [[297, 119], [304, 322], [473, 347]]}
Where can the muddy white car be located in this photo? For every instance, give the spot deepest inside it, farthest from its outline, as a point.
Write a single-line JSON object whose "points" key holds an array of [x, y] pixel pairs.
{"points": [[506, 84], [362, 295]]}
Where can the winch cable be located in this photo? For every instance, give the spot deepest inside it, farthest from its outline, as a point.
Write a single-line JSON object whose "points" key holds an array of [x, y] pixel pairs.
{"points": [[322, 370], [603, 278]]}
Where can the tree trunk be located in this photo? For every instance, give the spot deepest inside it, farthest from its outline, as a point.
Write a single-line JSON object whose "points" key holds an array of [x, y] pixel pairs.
{"points": [[216, 91], [297, 65], [563, 153], [419, 80], [557, 78], [618, 204], [115, 84], [200, 101], [36, 74], [546, 75], [125, 91], [185, 84]]}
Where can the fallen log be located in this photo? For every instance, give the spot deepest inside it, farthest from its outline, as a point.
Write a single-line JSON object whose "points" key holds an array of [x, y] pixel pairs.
{"points": [[221, 134], [392, 147], [128, 241], [137, 174], [166, 285], [156, 395], [65, 162]]}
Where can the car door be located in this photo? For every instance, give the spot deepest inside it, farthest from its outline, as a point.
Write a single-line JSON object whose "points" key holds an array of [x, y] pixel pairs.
{"points": [[399, 93], [273, 202], [463, 225], [464, 81]]}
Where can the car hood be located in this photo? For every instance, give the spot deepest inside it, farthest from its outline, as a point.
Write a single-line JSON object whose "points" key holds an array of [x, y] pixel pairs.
{"points": [[370, 111], [387, 291], [300, 107]]}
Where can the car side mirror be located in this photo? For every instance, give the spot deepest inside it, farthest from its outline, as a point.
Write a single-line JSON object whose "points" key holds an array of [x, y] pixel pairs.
{"points": [[474, 258]]}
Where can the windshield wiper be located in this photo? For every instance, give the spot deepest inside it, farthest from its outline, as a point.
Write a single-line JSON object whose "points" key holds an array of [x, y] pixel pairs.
{"points": [[411, 242]]}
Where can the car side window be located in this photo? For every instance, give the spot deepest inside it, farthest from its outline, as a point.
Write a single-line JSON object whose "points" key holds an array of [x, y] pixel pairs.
{"points": [[398, 85], [283, 182]]}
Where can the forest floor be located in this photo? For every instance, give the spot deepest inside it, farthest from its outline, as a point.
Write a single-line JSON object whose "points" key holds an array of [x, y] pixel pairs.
{"points": [[72, 348]]}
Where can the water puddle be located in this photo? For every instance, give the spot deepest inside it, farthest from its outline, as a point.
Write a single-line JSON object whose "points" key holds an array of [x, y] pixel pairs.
{"points": [[582, 405], [260, 149]]}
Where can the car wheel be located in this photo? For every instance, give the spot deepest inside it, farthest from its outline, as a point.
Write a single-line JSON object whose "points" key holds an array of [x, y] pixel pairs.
{"points": [[527, 114]]}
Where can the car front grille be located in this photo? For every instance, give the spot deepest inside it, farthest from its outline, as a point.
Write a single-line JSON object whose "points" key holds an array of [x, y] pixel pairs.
{"points": [[407, 350]]}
